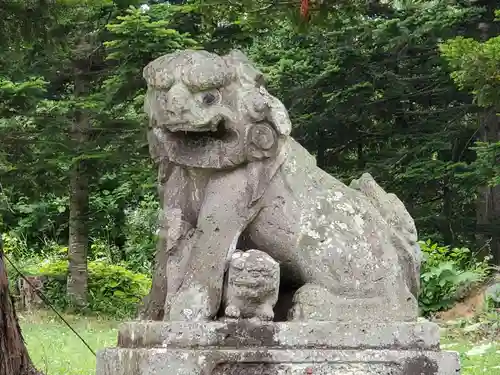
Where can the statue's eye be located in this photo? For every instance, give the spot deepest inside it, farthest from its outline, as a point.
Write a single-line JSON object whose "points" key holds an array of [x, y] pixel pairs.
{"points": [[210, 98]]}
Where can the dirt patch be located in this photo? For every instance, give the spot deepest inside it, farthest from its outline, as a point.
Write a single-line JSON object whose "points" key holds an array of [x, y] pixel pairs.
{"points": [[470, 306]]}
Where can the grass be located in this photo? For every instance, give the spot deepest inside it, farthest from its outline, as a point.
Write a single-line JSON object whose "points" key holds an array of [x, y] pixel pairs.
{"points": [[57, 351], [477, 341], [476, 358]]}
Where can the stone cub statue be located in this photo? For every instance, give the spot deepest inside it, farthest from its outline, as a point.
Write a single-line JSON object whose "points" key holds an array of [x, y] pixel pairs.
{"points": [[252, 286]]}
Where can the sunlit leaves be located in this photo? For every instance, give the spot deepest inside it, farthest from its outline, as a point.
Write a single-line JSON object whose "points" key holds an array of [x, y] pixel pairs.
{"points": [[18, 97], [476, 67], [137, 37], [149, 35]]}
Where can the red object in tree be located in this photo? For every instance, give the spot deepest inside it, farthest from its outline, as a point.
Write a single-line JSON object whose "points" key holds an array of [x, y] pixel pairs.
{"points": [[304, 8], [309, 371]]}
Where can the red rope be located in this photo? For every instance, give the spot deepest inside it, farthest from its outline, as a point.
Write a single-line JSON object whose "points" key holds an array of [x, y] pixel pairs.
{"points": [[304, 8]]}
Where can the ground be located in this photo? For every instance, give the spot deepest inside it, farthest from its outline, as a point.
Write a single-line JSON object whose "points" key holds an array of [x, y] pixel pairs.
{"points": [[57, 351]]}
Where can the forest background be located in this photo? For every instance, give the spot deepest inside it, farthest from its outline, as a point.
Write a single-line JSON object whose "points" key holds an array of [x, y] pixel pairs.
{"points": [[405, 90]]}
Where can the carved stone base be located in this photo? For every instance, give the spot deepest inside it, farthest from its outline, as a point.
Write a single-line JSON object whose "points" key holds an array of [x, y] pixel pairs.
{"points": [[244, 348]]}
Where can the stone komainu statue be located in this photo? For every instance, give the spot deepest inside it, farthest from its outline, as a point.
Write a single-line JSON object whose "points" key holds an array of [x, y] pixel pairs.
{"points": [[252, 286], [231, 177]]}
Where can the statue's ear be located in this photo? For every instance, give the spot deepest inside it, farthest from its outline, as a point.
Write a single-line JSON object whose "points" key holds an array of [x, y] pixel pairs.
{"points": [[278, 115], [158, 74], [243, 68]]}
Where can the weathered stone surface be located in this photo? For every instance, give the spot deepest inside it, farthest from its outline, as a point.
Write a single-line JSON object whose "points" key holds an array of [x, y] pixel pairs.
{"points": [[252, 286], [231, 177], [285, 335], [275, 362], [288, 348]]}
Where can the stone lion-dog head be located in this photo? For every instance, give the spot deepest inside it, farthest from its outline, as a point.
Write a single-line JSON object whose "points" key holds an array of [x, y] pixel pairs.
{"points": [[211, 111]]}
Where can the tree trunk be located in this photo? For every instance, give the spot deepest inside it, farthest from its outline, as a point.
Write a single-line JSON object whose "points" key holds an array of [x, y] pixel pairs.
{"points": [[447, 219], [14, 358], [488, 199], [78, 208]]}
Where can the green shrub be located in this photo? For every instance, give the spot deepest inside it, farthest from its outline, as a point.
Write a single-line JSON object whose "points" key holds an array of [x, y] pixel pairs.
{"points": [[14, 246], [116, 290], [113, 289], [103, 250], [445, 274], [141, 224], [25, 259]]}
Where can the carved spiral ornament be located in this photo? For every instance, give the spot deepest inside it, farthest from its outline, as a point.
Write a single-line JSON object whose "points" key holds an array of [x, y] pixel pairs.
{"points": [[262, 136]]}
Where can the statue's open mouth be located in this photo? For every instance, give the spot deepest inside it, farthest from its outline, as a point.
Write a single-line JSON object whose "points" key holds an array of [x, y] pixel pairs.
{"points": [[212, 144], [215, 130]]}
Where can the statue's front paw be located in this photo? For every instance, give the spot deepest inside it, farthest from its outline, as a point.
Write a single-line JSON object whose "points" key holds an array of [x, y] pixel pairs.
{"points": [[265, 313], [191, 304], [232, 312]]}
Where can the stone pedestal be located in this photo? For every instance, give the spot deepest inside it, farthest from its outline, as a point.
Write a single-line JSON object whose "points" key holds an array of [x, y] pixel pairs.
{"points": [[288, 348]]}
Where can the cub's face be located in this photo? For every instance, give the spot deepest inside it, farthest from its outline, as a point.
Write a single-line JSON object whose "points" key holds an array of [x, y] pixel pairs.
{"points": [[253, 274]]}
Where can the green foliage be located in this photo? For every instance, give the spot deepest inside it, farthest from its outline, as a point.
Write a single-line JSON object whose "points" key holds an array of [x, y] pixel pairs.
{"points": [[149, 34], [114, 290], [475, 67], [440, 285], [14, 246], [141, 235], [445, 274], [138, 37], [260, 14], [17, 97], [370, 86]]}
